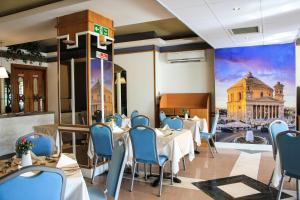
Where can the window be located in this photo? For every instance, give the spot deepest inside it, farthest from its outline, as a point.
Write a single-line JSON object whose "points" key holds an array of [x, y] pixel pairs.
{"points": [[240, 96], [261, 94]]}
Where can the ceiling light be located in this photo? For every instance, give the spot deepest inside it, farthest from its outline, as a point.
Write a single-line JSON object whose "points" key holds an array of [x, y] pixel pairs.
{"points": [[236, 8]]}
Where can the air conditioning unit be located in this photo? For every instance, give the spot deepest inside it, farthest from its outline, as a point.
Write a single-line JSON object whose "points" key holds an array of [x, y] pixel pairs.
{"points": [[186, 56]]}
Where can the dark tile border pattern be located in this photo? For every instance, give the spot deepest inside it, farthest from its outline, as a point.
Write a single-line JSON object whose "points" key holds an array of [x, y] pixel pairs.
{"points": [[210, 187]]}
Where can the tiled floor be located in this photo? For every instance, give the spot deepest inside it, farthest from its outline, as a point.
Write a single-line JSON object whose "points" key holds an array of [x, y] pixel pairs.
{"points": [[227, 163]]}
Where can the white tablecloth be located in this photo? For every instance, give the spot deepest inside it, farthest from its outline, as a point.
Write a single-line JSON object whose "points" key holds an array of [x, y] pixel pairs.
{"points": [[75, 185], [174, 146], [196, 126]]}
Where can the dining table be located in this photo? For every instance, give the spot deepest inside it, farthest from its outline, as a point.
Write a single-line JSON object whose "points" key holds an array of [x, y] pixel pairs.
{"points": [[175, 144], [75, 189], [196, 125]]}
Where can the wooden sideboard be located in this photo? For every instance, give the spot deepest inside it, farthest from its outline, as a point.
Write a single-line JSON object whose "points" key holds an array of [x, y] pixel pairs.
{"points": [[196, 103]]}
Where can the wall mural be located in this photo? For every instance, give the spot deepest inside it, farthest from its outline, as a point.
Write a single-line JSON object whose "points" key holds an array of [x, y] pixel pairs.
{"points": [[96, 96], [254, 86]]}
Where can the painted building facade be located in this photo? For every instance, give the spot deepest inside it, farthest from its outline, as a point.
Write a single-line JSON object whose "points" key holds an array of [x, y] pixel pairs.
{"points": [[251, 99]]}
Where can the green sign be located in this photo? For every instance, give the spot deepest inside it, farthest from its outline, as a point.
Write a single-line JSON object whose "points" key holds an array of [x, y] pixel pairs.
{"points": [[100, 29]]}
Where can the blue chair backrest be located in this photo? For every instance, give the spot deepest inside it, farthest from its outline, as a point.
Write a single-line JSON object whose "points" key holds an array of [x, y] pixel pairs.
{"points": [[140, 120], [214, 124], [116, 169], [143, 140], [47, 184], [118, 119], [275, 128], [162, 116], [102, 139], [173, 123], [134, 114], [43, 145], [288, 144]]}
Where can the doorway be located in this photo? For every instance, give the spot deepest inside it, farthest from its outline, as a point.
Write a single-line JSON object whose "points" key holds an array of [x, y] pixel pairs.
{"points": [[28, 88], [120, 95]]}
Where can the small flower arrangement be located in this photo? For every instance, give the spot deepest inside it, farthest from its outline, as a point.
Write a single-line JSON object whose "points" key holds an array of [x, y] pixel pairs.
{"points": [[23, 146], [185, 111], [110, 118]]}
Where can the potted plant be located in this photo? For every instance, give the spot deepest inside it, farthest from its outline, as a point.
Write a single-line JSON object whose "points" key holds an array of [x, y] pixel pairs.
{"points": [[185, 113], [23, 149]]}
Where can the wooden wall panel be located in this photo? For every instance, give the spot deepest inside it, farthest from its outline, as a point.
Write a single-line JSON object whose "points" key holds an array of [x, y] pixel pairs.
{"points": [[196, 103], [82, 21]]}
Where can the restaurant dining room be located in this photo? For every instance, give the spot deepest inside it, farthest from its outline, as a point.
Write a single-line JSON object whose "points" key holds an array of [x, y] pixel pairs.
{"points": [[149, 99]]}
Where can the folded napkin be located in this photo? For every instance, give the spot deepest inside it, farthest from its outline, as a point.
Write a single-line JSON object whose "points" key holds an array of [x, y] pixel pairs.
{"points": [[158, 132], [166, 127], [65, 161], [195, 118], [117, 129], [123, 116]]}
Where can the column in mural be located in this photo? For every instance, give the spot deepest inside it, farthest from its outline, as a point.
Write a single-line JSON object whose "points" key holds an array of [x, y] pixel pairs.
{"points": [[254, 86]]}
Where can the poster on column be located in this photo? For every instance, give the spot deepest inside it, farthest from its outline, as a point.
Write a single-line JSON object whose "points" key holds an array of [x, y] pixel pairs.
{"points": [[97, 87], [254, 86]]}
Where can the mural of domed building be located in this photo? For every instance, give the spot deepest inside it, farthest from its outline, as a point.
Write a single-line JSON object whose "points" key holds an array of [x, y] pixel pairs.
{"points": [[251, 99]]}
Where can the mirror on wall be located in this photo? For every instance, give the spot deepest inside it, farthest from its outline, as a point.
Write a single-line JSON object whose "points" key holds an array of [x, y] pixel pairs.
{"points": [[6, 95]]}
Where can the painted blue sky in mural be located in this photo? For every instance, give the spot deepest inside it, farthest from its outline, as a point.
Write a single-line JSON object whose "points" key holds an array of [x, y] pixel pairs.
{"points": [[95, 73], [269, 63]]}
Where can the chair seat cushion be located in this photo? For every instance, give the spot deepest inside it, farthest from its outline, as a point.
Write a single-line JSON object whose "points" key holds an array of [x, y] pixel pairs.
{"points": [[205, 135], [162, 159], [96, 193]]}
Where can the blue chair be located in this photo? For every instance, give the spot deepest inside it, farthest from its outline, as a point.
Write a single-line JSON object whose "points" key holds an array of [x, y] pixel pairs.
{"points": [[288, 144], [43, 145], [173, 123], [102, 140], [209, 137], [47, 184], [143, 140], [115, 174], [162, 116], [134, 114], [140, 120], [276, 127], [118, 119]]}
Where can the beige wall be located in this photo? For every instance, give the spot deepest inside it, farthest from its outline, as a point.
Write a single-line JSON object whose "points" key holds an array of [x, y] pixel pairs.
{"points": [[52, 88], [186, 77], [140, 82]]}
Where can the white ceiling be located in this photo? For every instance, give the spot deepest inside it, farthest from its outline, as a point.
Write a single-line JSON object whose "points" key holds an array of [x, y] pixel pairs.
{"points": [[278, 20], [39, 23]]}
